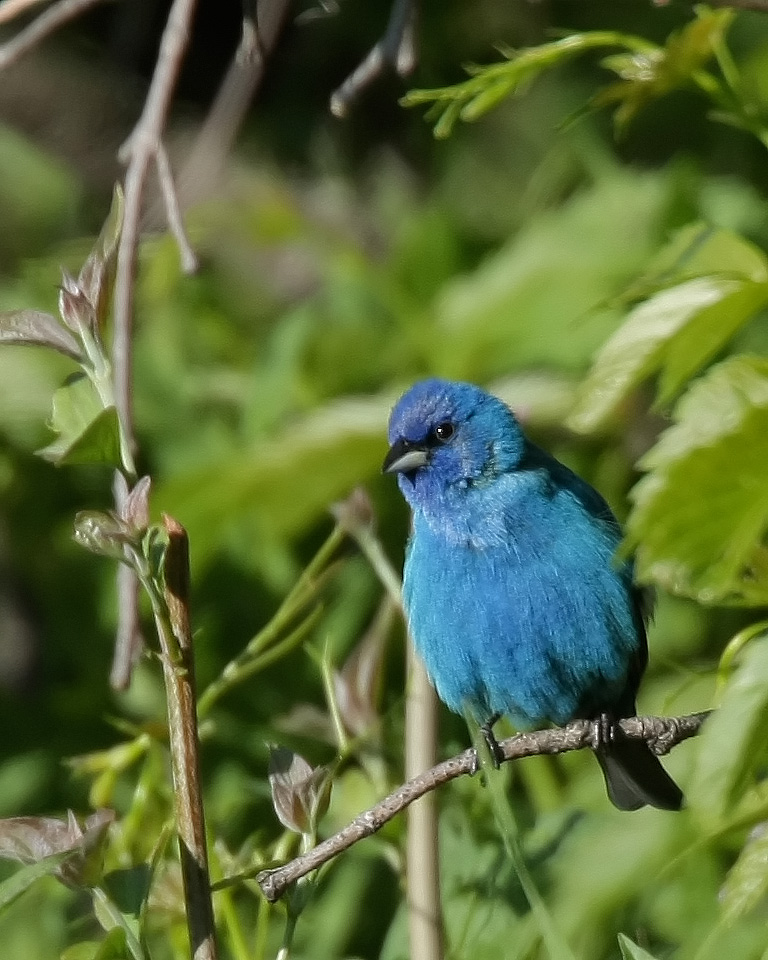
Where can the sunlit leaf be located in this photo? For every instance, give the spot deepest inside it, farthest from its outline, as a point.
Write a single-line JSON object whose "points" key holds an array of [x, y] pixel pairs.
{"points": [[88, 432], [701, 511], [34, 328], [532, 302], [731, 748], [678, 329]]}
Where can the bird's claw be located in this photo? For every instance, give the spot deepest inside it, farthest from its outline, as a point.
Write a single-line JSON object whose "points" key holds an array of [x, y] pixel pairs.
{"points": [[603, 731], [497, 754]]}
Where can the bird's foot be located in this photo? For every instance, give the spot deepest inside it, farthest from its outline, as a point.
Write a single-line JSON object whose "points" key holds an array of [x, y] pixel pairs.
{"points": [[603, 731], [497, 754]]}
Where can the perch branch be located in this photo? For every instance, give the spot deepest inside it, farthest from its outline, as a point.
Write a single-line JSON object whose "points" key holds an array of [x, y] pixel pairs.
{"points": [[396, 50], [661, 733]]}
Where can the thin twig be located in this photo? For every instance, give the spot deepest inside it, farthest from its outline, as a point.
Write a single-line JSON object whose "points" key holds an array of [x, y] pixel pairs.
{"points": [[179, 673], [230, 105], [139, 151], [661, 733], [42, 27], [189, 262], [396, 51]]}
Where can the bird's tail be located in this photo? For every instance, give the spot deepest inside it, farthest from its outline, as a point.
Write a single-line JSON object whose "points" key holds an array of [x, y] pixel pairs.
{"points": [[635, 777]]}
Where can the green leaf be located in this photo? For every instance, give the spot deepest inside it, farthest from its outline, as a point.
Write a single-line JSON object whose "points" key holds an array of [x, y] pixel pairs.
{"points": [[21, 880], [678, 329], [37, 329], [88, 432], [631, 951], [532, 302], [284, 483], [649, 75], [701, 512], [708, 332], [732, 744], [747, 881]]}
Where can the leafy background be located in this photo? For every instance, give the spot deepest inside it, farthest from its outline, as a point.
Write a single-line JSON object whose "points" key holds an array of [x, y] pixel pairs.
{"points": [[610, 284]]}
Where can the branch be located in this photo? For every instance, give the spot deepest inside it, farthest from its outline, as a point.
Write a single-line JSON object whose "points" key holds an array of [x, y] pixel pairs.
{"points": [[175, 637], [661, 733], [40, 28], [230, 106], [189, 262], [395, 51], [139, 151]]}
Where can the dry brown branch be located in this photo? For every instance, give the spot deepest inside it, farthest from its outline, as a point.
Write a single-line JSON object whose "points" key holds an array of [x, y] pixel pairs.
{"points": [[661, 733]]}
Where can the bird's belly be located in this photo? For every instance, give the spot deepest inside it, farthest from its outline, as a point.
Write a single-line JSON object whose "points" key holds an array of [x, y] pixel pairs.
{"points": [[537, 642]]}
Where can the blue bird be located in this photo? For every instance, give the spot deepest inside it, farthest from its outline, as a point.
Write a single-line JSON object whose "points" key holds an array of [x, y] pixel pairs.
{"points": [[514, 598]]}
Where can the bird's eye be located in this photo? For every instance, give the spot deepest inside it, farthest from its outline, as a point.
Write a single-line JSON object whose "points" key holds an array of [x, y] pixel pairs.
{"points": [[443, 431]]}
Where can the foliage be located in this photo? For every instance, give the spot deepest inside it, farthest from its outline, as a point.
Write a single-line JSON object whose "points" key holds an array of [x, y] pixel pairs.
{"points": [[262, 390]]}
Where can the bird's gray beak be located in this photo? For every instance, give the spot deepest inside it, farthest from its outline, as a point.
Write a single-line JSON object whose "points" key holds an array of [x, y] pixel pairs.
{"points": [[404, 457]]}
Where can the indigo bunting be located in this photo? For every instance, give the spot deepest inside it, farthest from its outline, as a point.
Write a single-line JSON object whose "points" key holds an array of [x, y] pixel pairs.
{"points": [[514, 598]]}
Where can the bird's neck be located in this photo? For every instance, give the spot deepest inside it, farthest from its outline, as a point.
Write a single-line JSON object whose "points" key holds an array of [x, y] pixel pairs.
{"points": [[466, 516]]}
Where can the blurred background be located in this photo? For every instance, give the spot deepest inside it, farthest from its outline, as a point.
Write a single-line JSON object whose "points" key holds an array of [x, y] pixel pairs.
{"points": [[340, 261]]}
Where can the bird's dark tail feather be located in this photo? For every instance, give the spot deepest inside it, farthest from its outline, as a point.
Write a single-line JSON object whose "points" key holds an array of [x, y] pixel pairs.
{"points": [[635, 777]]}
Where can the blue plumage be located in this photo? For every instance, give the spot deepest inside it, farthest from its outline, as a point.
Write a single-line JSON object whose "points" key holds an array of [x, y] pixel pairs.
{"points": [[514, 599]]}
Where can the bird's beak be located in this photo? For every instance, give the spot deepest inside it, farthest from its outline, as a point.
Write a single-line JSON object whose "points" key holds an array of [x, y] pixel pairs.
{"points": [[404, 457]]}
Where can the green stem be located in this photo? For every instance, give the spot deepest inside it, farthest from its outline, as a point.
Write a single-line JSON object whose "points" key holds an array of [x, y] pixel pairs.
{"points": [[245, 665], [264, 649]]}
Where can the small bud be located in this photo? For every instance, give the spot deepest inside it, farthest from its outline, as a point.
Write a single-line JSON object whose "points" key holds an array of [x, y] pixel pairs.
{"points": [[300, 793], [356, 512], [103, 533], [74, 307], [135, 509]]}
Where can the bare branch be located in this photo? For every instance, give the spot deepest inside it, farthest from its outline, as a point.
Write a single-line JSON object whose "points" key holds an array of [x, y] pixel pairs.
{"points": [[395, 51], [661, 733], [189, 262], [139, 151], [242, 79], [42, 27]]}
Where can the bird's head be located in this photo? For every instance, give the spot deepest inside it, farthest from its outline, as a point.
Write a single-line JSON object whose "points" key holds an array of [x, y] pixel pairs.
{"points": [[446, 437]]}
